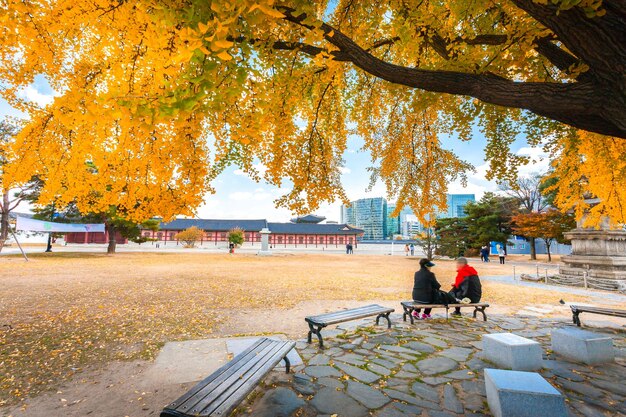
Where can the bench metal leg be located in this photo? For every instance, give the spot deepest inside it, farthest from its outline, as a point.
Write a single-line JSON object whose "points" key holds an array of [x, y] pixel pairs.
{"points": [[287, 364], [575, 318], [386, 316], [408, 312], [315, 330], [482, 311]]}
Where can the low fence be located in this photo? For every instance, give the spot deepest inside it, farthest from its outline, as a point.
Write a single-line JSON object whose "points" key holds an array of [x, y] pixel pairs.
{"points": [[584, 281]]}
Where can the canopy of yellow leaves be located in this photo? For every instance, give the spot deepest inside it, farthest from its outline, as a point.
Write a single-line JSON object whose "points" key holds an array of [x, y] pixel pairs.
{"points": [[158, 96]]}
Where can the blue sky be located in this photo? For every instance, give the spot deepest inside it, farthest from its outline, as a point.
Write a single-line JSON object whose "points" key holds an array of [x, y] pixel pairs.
{"points": [[238, 196]]}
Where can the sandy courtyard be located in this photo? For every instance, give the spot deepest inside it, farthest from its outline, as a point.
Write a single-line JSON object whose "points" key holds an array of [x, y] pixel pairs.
{"points": [[78, 326]]}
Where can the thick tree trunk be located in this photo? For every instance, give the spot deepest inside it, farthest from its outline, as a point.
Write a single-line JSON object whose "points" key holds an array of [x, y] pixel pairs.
{"points": [[548, 250], [112, 241], [533, 249]]}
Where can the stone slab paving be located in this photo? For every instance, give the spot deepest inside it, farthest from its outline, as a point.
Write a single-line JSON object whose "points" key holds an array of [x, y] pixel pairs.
{"points": [[433, 368]]}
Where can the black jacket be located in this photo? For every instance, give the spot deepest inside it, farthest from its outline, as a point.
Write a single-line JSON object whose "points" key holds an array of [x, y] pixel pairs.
{"points": [[425, 286], [470, 288]]}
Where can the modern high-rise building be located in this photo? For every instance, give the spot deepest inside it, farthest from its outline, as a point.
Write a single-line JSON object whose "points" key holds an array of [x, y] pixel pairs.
{"points": [[374, 216], [393, 222], [456, 205], [370, 214]]}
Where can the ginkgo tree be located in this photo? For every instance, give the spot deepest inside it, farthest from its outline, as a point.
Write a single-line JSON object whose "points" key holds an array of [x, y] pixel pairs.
{"points": [[169, 92]]}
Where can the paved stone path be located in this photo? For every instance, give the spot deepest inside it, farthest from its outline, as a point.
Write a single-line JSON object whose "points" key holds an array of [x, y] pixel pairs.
{"points": [[430, 369]]}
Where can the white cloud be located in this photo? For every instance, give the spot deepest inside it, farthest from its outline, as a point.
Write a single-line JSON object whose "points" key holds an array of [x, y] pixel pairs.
{"points": [[240, 196], [345, 170], [540, 161], [32, 94], [257, 195]]}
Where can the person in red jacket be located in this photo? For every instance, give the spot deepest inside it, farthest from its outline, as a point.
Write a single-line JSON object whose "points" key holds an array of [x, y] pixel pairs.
{"points": [[466, 284]]}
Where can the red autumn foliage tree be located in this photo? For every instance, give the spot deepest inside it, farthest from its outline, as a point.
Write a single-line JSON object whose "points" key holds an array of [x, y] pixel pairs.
{"points": [[549, 226]]}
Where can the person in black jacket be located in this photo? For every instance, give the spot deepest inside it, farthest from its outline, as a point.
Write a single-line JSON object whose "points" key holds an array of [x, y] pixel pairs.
{"points": [[466, 285], [426, 289]]}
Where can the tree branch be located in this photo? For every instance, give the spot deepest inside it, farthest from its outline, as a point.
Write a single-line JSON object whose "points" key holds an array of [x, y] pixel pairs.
{"points": [[578, 104]]}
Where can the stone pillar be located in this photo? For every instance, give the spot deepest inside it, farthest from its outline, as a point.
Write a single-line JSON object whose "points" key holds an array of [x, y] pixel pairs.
{"points": [[265, 237]]}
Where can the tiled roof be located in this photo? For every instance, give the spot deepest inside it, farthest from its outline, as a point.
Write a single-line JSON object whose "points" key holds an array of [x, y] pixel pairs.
{"points": [[313, 229], [256, 225], [215, 224], [309, 218]]}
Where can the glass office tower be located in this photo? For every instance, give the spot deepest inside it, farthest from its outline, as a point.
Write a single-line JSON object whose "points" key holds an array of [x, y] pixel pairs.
{"points": [[456, 205], [369, 215], [393, 222]]}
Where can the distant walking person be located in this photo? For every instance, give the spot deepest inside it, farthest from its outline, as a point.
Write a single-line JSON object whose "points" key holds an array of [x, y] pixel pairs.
{"points": [[466, 284], [351, 249], [484, 253], [501, 254], [412, 247], [406, 250], [347, 249]]}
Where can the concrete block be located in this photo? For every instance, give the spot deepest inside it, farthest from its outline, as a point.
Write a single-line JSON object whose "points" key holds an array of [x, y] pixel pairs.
{"points": [[511, 351], [522, 394], [583, 346]]}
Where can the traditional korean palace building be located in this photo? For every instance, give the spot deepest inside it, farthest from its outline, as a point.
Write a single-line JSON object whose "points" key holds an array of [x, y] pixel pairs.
{"points": [[306, 231]]}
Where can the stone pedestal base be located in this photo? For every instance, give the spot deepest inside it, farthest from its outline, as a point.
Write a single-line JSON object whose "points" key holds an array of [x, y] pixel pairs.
{"points": [[597, 255], [583, 346], [522, 394], [512, 351]]}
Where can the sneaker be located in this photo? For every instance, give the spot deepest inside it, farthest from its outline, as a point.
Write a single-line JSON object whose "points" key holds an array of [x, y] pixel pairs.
{"points": [[425, 316], [456, 313], [416, 315]]}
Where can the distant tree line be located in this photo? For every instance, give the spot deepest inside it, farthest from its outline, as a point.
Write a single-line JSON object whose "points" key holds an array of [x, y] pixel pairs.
{"points": [[524, 210]]}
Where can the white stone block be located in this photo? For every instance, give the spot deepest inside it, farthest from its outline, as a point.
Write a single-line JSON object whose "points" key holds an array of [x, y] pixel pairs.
{"points": [[511, 351], [522, 394], [583, 346]]}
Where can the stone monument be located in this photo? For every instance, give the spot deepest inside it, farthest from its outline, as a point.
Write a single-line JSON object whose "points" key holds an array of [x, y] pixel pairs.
{"points": [[265, 242], [598, 255]]}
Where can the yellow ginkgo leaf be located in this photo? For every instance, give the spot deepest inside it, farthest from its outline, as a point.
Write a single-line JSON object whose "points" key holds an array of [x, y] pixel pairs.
{"points": [[224, 56], [202, 27], [223, 43], [271, 12]]}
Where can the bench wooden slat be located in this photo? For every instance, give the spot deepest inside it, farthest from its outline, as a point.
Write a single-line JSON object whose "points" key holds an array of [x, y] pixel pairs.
{"points": [[576, 310], [599, 310], [211, 382], [350, 311], [410, 306], [207, 396], [420, 305], [316, 323], [241, 388], [223, 390], [346, 315]]}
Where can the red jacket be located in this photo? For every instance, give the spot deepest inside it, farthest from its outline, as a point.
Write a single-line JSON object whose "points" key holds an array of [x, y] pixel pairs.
{"points": [[462, 273]]}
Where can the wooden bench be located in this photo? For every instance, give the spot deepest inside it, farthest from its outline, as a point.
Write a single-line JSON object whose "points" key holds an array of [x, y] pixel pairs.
{"points": [[224, 389], [576, 310], [410, 306], [317, 323]]}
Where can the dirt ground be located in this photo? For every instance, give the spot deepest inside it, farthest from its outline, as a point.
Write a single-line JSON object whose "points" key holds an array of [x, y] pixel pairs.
{"points": [[80, 327]]}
